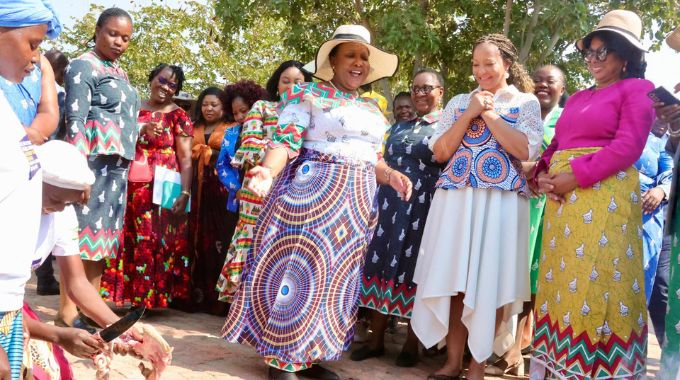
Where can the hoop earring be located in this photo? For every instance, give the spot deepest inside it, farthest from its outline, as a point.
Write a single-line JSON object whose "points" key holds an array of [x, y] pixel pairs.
{"points": [[507, 75]]}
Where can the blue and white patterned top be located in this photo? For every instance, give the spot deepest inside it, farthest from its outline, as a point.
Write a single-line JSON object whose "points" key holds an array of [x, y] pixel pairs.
{"points": [[25, 96], [481, 161]]}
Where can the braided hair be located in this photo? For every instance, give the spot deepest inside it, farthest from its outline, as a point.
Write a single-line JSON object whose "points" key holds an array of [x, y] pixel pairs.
{"points": [[518, 75]]}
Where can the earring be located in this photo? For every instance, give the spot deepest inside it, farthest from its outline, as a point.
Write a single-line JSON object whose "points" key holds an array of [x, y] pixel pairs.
{"points": [[624, 67], [507, 75]]}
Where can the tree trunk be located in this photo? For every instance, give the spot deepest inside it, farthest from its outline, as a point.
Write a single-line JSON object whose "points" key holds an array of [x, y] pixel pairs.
{"points": [[526, 45], [508, 17]]}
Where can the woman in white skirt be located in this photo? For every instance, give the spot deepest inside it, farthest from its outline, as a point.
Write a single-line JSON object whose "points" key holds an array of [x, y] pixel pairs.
{"points": [[473, 263]]}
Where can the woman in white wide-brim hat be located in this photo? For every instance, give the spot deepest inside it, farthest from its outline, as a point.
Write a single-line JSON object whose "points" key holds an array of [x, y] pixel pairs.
{"points": [[591, 317], [298, 302], [670, 357]]}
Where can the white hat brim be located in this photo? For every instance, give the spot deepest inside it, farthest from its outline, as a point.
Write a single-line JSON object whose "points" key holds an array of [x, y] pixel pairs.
{"points": [[673, 39], [383, 64]]}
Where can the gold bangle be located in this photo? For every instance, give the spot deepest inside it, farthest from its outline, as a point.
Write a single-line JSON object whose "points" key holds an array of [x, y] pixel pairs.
{"points": [[184, 192], [388, 174]]}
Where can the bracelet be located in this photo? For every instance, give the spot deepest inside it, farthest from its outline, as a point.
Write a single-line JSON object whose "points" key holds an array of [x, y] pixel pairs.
{"points": [[388, 174], [671, 132], [184, 192]]}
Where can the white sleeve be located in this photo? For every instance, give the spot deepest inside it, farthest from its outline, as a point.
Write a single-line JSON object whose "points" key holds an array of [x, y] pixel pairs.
{"points": [[66, 233], [446, 121]]}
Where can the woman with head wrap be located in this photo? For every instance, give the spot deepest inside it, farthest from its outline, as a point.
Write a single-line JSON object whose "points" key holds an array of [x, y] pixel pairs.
{"points": [[101, 121], [23, 26]]}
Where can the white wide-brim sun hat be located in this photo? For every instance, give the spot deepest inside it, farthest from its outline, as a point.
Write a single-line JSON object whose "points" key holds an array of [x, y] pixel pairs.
{"points": [[383, 64], [625, 23], [64, 166]]}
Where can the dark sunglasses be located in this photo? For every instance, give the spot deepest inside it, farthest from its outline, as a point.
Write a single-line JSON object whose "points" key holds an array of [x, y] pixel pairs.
{"points": [[423, 90], [599, 54], [165, 82]]}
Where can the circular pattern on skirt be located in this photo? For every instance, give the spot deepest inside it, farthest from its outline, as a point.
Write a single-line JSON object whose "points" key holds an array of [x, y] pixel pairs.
{"points": [[312, 190], [477, 133], [460, 166], [343, 294], [287, 281], [492, 166]]}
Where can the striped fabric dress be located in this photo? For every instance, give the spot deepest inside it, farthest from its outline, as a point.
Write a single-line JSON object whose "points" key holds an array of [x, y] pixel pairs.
{"points": [[257, 131]]}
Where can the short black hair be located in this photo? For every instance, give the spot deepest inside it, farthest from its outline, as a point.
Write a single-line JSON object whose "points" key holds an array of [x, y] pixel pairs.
{"points": [[57, 58], [635, 58], [177, 72], [198, 112], [434, 72], [108, 14], [272, 86], [402, 94]]}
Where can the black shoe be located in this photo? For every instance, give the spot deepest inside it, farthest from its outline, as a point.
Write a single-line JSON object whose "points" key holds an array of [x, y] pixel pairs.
{"points": [[406, 359], [365, 352], [318, 372], [78, 323], [277, 374], [52, 289], [87, 320]]}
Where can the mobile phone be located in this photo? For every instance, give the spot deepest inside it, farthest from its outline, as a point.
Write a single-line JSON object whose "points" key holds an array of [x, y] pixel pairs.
{"points": [[661, 94]]}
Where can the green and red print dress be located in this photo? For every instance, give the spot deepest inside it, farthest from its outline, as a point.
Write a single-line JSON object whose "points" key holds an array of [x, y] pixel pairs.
{"points": [[101, 121], [153, 267]]}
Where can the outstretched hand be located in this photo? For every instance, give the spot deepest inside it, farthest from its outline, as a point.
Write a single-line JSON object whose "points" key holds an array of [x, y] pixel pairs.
{"points": [[261, 180]]}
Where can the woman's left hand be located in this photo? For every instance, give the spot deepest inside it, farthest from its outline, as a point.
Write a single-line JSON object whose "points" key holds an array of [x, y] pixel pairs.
{"points": [[180, 205], [651, 199], [563, 183], [401, 184]]}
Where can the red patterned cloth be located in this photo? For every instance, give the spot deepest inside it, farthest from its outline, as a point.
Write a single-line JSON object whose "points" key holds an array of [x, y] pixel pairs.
{"points": [[154, 266]]}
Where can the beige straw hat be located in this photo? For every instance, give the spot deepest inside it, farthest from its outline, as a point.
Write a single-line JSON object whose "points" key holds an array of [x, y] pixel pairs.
{"points": [[383, 64], [627, 24], [673, 39]]}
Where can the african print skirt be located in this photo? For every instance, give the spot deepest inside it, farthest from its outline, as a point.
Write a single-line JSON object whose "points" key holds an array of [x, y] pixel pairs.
{"points": [[298, 302], [670, 356], [12, 339], [101, 220], [536, 208], [44, 360], [591, 315]]}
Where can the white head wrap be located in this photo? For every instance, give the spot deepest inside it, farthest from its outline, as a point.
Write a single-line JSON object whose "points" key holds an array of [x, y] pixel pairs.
{"points": [[64, 166]]}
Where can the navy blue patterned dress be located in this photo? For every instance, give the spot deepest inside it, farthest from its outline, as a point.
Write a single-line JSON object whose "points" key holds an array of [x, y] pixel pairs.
{"points": [[387, 284]]}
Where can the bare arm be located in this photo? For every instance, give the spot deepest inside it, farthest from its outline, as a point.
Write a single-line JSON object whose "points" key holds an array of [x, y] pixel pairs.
{"points": [[81, 291], [183, 147], [512, 140], [449, 142], [47, 117], [76, 341]]}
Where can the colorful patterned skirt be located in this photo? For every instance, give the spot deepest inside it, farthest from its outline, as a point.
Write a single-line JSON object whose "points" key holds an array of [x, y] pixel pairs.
{"points": [[44, 360], [101, 220], [12, 339], [298, 302], [591, 315], [153, 267], [670, 356], [249, 208]]}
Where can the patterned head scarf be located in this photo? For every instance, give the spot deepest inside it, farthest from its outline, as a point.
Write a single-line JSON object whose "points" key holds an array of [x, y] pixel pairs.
{"points": [[22, 13]]}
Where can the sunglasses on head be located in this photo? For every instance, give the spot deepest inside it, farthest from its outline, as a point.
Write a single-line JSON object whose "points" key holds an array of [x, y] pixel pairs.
{"points": [[599, 54], [165, 82], [423, 90]]}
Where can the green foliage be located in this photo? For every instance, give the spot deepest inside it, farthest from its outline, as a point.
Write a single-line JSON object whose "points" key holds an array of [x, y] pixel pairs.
{"points": [[191, 37], [440, 33]]}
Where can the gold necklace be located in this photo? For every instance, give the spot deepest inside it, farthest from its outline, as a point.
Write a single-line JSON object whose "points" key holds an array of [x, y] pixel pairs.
{"points": [[355, 93]]}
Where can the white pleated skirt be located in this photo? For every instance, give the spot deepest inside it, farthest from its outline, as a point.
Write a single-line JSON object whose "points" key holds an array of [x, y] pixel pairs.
{"points": [[475, 242]]}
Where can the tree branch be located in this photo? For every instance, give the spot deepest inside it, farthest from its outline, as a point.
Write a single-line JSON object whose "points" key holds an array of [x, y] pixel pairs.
{"points": [[526, 45], [553, 42], [508, 16]]}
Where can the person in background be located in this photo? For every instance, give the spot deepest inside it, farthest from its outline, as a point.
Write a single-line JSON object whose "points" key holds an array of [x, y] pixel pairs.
{"points": [[23, 26], [59, 63], [590, 302], [387, 287], [154, 265], [473, 273], [100, 101], [667, 283], [297, 305], [402, 107], [257, 130]]}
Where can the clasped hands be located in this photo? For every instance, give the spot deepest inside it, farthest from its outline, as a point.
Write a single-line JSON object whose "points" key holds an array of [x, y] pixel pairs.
{"points": [[554, 186]]}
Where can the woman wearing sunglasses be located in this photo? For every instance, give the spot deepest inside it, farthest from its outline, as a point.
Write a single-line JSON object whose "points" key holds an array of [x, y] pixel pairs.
{"points": [[591, 319], [153, 266]]}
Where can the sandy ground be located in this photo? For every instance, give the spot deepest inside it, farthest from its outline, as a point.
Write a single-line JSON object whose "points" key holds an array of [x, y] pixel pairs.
{"points": [[200, 353]]}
